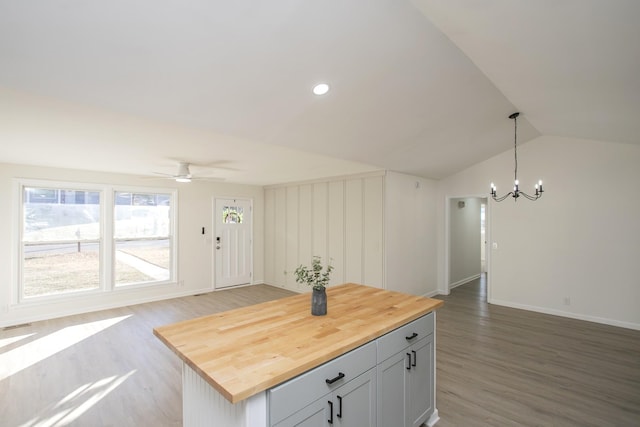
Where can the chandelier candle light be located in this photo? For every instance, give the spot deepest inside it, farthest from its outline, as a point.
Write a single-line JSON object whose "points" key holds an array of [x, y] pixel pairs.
{"points": [[516, 191]]}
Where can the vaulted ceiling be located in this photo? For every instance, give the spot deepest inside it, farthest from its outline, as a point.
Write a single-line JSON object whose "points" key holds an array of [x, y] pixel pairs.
{"points": [[422, 87]]}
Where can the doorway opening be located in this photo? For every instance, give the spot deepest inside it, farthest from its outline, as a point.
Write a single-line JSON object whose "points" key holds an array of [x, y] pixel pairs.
{"points": [[483, 239], [466, 241]]}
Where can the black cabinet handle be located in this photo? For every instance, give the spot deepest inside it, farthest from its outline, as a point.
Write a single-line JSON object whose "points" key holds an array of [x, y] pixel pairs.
{"points": [[339, 414], [333, 380], [415, 358], [408, 361], [412, 336], [330, 420]]}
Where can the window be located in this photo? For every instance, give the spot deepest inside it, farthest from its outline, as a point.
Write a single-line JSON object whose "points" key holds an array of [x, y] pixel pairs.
{"points": [[232, 214], [60, 241], [142, 237], [66, 246]]}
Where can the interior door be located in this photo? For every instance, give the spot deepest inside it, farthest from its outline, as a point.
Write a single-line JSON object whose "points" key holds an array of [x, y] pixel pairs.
{"points": [[233, 238]]}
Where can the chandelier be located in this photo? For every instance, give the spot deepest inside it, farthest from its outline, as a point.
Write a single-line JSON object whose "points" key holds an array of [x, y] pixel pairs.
{"points": [[516, 190]]}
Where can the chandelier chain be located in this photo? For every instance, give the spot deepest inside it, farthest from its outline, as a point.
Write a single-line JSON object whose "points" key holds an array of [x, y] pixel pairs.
{"points": [[515, 147], [516, 193]]}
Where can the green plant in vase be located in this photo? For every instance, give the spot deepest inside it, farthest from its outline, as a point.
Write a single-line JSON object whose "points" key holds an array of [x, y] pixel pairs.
{"points": [[317, 276]]}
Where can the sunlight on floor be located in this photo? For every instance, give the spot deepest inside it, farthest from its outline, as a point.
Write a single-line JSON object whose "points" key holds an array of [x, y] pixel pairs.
{"points": [[77, 402], [6, 341], [35, 351]]}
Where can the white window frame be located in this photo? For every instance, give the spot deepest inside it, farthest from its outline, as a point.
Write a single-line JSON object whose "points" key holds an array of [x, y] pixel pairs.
{"points": [[106, 245], [173, 193]]}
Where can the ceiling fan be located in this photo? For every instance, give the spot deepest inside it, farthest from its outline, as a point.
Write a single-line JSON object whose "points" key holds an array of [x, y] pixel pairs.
{"points": [[184, 174]]}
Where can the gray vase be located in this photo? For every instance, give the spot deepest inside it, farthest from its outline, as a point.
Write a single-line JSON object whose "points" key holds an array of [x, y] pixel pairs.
{"points": [[319, 302]]}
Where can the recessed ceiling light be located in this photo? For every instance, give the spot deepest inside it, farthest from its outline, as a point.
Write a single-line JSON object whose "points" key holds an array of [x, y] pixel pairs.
{"points": [[321, 89]]}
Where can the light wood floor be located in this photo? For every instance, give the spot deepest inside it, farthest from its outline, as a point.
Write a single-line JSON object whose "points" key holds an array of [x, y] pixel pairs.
{"points": [[119, 375], [496, 366]]}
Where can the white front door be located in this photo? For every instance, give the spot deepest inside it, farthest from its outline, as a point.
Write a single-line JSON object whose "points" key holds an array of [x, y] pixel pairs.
{"points": [[232, 243]]}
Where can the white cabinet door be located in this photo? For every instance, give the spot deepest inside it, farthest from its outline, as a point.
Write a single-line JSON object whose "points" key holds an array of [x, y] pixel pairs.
{"points": [[391, 390], [354, 404], [420, 382], [405, 386]]}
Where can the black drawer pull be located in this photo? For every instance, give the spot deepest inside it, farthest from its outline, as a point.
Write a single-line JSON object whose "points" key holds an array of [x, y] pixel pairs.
{"points": [[333, 380], [408, 361], [339, 414], [330, 420], [414, 358], [412, 336]]}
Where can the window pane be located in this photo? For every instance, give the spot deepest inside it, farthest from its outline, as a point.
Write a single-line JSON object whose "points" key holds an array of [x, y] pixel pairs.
{"points": [[142, 261], [140, 215], [232, 214], [142, 237], [51, 269], [61, 241], [60, 215]]}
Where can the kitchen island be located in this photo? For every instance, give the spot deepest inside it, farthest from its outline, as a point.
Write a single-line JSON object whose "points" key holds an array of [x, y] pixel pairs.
{"points": [[272, 363]]}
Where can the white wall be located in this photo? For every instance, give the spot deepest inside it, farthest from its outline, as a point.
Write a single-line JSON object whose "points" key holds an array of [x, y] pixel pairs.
{"points": [[195, 266], [464, 240], [410, 234], [580, 241], [339, 219]]}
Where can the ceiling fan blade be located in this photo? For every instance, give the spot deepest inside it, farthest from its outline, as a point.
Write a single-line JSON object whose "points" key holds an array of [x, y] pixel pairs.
{"points": [[184, 175], [164, 175], [207, 178]]}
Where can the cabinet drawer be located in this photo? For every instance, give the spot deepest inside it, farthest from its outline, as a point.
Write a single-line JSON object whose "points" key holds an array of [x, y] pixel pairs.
{"points": [[291, 396], [396, 340]]}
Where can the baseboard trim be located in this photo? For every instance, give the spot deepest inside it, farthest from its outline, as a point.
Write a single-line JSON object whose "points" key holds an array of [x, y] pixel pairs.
{"points": [[433, 419], [463, 281], [20, 319], [431, 294], [577, 316]]}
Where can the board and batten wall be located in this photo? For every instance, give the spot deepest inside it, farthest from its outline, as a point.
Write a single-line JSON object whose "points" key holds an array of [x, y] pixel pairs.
{"points": [[340, 219], [378, 229]]}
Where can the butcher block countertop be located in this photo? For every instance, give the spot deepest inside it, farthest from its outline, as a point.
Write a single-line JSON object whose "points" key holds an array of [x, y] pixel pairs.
{"points": [[245, 351]]}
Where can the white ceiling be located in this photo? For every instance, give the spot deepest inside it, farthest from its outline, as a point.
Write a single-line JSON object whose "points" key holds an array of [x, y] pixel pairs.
{"points": [[422, 87]]}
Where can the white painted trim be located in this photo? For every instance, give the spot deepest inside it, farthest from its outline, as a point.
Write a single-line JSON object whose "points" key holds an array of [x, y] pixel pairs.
{"points": [[256, 410], [18, 320], [433, 419], [384, 233], [226, 288], [561, 313], [105, 241], [15, 287], [463, 281], [447, 243], [488, 255], [204, 406], [432, 293]]}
